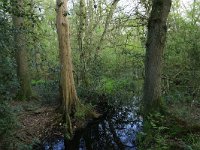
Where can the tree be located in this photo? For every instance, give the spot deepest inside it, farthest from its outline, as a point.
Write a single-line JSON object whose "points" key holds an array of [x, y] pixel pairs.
{"points": [[156, 38], [82, 24], [68, 90], [21, 50], [108, 19], [86, 31]]}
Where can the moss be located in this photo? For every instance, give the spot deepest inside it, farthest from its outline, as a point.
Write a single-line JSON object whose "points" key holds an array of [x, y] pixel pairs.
{"points": [[82, 111]]}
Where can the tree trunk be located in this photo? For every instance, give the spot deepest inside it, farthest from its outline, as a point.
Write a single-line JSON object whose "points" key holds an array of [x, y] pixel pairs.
{"points": [[81, 34], [68, 90], [21, 52], [108, 19], [156, 38]]}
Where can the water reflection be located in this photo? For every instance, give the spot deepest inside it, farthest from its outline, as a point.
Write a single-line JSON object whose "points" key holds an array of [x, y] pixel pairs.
{"points": [[54, 144], [117, 130]]}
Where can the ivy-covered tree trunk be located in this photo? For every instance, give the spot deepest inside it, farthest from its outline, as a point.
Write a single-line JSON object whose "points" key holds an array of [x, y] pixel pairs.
{"points": [[108, 19], [21, 50], [81, 34], [68, 90], [156, 38]]}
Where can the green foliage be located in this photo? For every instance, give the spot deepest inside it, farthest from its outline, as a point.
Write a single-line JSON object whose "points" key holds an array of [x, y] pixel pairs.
{"points": [[83, 111], [47, 90], [193, 140], [7, 121], [166, 132], [108, 85], [8, 81], [8, 124], [181, 67], [152, 136], [115, 76], [37, 82]]}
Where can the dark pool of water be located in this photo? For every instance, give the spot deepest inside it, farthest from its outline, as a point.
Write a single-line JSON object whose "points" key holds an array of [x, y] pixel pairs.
{"points": [[117, 130]]}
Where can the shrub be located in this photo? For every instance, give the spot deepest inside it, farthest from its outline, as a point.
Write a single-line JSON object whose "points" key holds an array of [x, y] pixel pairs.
{"points": [[7, 124]]}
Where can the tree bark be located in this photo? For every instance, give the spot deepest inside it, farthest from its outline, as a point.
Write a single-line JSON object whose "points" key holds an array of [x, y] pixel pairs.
{"points": [[68, 90], [21, 50], [156, 38], [108, 19], [81, 35]]}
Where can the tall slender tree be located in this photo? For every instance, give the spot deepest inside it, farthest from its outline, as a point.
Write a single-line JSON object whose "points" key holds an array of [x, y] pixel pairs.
{"points": [[81, 34], [157, 30], [68, 90], [108, 19], [21, 49]]}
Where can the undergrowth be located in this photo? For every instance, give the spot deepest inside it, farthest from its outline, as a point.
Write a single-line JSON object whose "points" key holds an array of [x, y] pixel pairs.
{"points": [[8, 123], [161, 132], [83, 111]]}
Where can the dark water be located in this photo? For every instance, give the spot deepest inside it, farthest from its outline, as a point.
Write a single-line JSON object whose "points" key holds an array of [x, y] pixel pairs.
{"points": [[116, 130]]}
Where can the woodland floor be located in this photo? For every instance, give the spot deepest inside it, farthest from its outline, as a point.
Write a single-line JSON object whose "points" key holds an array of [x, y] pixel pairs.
{"points": [[184, 122], [35, 120], [38, 120], [188, 112]]}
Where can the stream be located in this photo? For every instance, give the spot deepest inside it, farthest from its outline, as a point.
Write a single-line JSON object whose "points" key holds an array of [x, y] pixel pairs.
{"points": [[116, 131]]}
